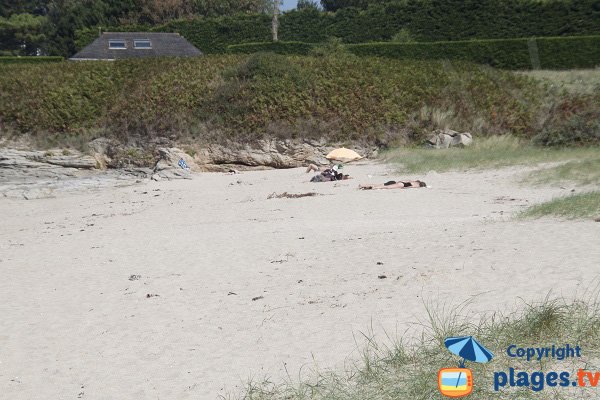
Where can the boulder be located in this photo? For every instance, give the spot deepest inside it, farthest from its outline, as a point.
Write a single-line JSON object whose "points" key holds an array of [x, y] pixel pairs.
{"points": [[443, 139], [167, 166]]}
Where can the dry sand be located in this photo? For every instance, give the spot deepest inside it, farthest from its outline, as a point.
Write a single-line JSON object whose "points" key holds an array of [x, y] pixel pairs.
{"points": [[75, 323]]}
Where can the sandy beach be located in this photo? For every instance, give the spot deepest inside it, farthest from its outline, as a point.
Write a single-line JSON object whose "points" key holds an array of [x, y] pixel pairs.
{"points": [[187, 289]]}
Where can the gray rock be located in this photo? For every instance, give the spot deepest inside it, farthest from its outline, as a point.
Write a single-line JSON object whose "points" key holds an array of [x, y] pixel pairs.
{"points": [[167, 166], [41, 174], [274, 153], [443, 139]]}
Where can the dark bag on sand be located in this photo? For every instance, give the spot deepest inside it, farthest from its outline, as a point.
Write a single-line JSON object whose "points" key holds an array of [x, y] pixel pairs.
{"points": [[320, 178]]}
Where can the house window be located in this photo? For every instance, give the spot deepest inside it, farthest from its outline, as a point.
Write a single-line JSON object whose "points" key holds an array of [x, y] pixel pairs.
{"points": [[117, 44], [142, 44]]}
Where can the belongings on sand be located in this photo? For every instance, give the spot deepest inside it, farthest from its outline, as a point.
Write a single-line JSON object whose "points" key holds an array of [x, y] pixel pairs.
{"points": [[183, 164], [331, 174]]}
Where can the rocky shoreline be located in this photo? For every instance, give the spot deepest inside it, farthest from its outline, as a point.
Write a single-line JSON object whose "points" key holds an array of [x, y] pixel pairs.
{"points": [[32, 174]]}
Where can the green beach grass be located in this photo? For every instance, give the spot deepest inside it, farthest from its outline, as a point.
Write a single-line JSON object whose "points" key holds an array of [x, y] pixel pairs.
{"points": [[578, 81], [399, 370], [582, 205], [579, 172], [485, 153]]}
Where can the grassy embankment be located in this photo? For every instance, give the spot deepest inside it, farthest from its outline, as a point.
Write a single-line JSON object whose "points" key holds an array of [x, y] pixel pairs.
{"points": [[338, 98], [399, 370], [579, 166]]}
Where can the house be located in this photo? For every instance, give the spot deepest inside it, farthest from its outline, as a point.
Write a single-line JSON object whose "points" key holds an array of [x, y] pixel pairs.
{"points": [[122, 45]]}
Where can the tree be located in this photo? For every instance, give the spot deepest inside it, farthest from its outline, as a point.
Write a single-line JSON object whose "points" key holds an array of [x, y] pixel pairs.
{"points": [[275, 23], [215, 8], [34, 7], [308, 5], [161, 11], [23, 34], [334, 5]]}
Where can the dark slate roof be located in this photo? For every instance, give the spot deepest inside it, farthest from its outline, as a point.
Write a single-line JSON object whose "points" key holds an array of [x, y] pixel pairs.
{"points": [[163, 45]]}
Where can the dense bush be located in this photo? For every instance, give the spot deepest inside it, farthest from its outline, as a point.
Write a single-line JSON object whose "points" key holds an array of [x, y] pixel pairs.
{"points": [[575, 120], [546, 53], [297, 48], [425, 20], [29, 60], [242, 97]]}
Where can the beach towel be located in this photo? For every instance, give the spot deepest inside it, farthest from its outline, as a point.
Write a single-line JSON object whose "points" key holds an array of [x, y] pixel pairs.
{"points": [[182, 164]]}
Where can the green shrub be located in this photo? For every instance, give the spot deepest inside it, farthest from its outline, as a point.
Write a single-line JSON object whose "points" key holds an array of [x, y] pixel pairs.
{"points": [[518, 54], [375, 100], [427, 21], [404, 36], [30, 60], [333, 47], [272, 47], [553, 53], [573, 121]]}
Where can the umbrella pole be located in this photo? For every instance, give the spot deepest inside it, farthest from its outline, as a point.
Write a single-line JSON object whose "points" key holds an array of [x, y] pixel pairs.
{"points": [[458, 379]]}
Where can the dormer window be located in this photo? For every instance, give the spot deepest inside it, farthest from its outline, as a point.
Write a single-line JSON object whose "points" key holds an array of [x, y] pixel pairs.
{"points": [[142, 44], [117, 44]]}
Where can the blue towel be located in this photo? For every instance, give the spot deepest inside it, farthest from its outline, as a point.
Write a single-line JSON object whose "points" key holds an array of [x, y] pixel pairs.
{"points": [[182, 164]]}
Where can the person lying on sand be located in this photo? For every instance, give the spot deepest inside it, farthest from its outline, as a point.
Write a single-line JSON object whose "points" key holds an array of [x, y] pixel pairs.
{"points": [[394, 185]]}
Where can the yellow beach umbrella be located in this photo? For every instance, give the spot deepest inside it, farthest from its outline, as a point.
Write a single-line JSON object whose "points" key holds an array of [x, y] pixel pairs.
{"points": [[343, 155]]}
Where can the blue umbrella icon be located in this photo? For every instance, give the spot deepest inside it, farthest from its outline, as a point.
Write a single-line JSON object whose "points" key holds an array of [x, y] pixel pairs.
{"points": [[469, 349]]}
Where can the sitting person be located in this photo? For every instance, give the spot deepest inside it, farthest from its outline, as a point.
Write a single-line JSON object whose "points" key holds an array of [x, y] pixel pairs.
{"points": [[316, 168], [330, 174], [394, 185]]}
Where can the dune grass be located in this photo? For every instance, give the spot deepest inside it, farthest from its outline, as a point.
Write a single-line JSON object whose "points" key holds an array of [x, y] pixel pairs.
{"points": [[398, 370], [578, 81], [577, 172], [582, 205], [492, 152]]}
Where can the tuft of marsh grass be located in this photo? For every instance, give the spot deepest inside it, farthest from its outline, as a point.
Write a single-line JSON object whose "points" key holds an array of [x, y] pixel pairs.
{"points": [[578, 81], [491, 152], [400, 370], [580, 172], [582, 205]]}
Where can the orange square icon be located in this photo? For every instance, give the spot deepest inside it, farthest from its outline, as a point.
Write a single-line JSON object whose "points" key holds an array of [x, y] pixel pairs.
{"points": [[455, 382]]}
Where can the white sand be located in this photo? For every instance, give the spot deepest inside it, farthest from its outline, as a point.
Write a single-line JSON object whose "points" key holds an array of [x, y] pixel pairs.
{"points": [[73, 325]]}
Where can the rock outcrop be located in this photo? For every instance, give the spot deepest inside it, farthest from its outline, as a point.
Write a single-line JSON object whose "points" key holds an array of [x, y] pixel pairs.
{"points": [[41, 174], [443, 139], [272, 153]]}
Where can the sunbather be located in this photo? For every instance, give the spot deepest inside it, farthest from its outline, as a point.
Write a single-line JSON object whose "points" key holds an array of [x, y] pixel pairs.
{"points": [[394, 185]]}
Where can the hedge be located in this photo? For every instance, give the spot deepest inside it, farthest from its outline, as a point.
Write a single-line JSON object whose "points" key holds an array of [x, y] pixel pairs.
{"points": [[426, 20], [30, 60], [547, 53], [272, 47]]}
